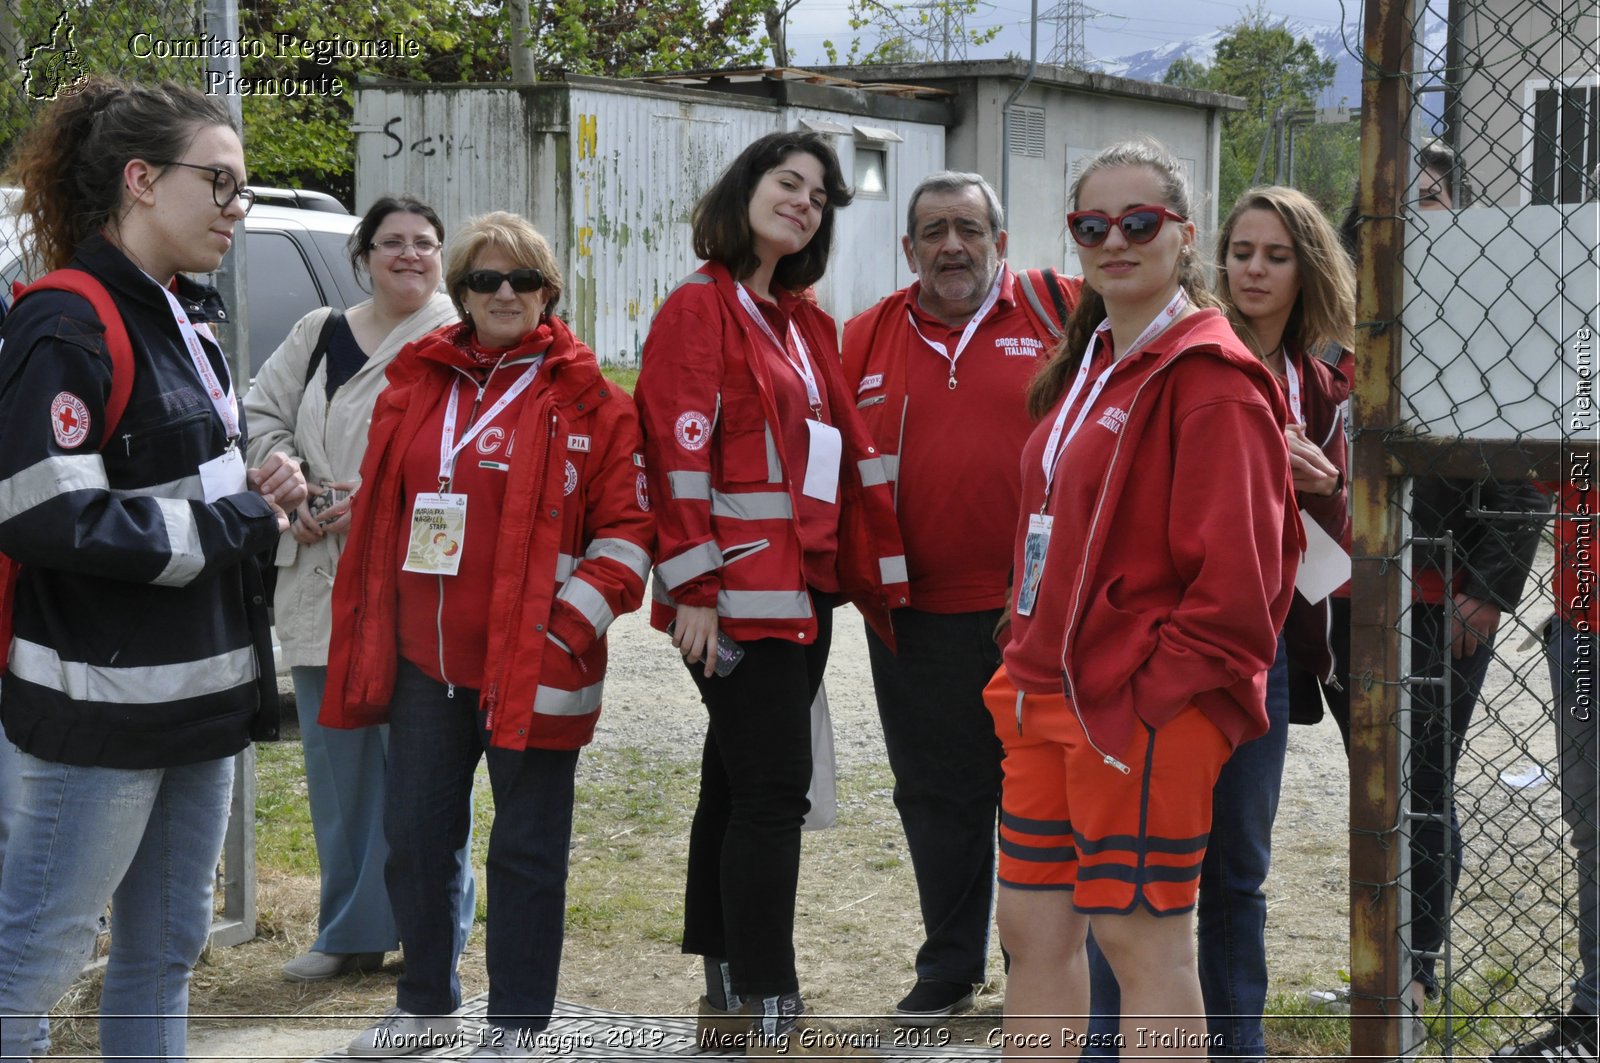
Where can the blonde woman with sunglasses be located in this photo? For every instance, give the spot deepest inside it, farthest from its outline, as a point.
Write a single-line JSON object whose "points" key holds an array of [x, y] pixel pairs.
{"points": [[1154, 563], [501, 525]]}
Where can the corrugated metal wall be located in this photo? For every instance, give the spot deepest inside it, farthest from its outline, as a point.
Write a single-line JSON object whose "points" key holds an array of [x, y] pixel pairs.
{"points": [[610, 175]]}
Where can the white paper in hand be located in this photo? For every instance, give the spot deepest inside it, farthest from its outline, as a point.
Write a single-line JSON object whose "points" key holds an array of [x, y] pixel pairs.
{"points": [[1325, 566]]}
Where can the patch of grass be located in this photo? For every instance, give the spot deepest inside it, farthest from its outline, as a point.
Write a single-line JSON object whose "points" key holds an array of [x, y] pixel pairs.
{"points": [[1294, 1029], [623, 377], [284, 839]]}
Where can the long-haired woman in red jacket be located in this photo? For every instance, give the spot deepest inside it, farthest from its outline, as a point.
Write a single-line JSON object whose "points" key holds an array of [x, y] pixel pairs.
{"points": [[502, 524], [772, 506], [1288, 289], [1154, 563]]}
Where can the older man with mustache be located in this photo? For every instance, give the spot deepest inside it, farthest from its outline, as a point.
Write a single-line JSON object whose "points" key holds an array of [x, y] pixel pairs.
{"points": [[940, 370]]}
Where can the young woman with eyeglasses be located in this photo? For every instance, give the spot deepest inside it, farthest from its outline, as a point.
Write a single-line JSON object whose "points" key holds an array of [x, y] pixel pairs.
{"points": [[139, 658], [1155, 560], [773, 509], [317, 415], [501, 524]]}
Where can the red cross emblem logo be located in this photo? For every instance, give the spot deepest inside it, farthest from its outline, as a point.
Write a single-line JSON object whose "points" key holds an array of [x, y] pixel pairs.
{"points": [[693, 430], [69, 420]]}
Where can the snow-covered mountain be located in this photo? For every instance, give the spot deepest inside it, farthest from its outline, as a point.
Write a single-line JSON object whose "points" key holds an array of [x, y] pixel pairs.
{"points": [[1342, 44]]}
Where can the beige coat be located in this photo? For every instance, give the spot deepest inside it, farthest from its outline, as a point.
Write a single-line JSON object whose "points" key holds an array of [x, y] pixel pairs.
{"points": [[329, 439]]}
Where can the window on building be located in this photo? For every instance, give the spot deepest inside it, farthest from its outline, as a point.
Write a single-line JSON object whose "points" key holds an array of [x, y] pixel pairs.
{"points": [[1565, 137], [872, 171]]}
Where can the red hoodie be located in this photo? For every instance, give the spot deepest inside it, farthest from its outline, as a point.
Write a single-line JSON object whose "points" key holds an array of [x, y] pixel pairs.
{"points": [[1175, 542], [569, 543]]}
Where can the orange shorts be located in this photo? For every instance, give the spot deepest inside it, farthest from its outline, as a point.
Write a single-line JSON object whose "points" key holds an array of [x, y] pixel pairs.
{"points": [[1069, 821]]}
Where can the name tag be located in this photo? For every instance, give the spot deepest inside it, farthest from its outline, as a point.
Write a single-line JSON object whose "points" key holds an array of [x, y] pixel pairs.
{"points": [[1034, 548], [223, 476], [438, 534], [873, 380], [822, 462], [578, 443]]}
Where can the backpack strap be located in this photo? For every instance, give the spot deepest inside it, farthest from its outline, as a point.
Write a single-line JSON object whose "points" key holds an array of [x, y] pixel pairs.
{"points": [[1038, 285], [88, 287], [319, 350]]}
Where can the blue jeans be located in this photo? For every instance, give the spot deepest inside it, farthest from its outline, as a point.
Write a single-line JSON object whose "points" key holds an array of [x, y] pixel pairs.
{"points": [[344, 784], [435, 743], [10, 799], [1232, 911], [1572, 657], [946, 761], [147, 841]]}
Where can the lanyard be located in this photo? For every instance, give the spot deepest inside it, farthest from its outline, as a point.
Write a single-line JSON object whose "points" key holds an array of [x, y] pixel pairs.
{"points": [[967, 333], [802, 368], [448, 448], [221, 395], [1292, 376], [1056, 444]]}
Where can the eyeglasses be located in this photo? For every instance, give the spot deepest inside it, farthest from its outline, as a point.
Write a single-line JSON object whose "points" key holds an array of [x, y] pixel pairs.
{"points": [[394, 247], [488, 281], [1140, 225], [224, 186]]}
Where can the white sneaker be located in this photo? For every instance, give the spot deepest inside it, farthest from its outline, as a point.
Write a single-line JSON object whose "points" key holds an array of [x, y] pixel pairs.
{"points": [[400, 1033]]}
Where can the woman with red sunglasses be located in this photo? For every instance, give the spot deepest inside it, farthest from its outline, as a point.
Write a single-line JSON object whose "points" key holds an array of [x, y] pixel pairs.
{"points": [[502, 524], [1155, 560]]}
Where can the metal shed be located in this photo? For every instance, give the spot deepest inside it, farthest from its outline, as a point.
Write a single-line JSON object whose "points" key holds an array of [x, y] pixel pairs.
{"points": [[610, 170]]}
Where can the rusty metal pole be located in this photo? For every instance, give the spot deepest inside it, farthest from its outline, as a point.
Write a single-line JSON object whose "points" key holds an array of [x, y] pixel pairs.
{"points": [[1375, 839]]}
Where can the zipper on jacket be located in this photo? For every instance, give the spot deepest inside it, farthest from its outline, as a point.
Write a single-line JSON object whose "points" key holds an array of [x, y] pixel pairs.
{"points": [[1083, 572], [1020, 696], [438, 622]]}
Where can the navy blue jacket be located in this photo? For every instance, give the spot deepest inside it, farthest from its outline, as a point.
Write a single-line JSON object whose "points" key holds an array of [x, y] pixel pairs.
{"points": [[140, 628]]}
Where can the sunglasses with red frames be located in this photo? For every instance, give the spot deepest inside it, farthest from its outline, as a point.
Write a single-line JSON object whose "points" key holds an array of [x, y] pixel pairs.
{"points": [[488, 281], [1140, 225]]}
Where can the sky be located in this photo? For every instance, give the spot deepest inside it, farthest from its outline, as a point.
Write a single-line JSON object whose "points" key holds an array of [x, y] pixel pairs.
{"points": [[1137, 25]]}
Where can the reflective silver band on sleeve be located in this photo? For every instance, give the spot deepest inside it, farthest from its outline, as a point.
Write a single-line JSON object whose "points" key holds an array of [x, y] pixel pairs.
{"points": [[873, 472], [189, 488], [551, 701], [753, 505], [764, 605], [892, 569], [774, 464], [623, 552], [47, 479], [891, 465], [144, 685], [694, 485], [565, 563], [186, 558], [690, 564], [588, 601]]}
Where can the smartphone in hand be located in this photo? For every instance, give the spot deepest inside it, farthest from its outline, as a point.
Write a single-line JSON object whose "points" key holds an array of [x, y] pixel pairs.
{"points": [[729, 652]]}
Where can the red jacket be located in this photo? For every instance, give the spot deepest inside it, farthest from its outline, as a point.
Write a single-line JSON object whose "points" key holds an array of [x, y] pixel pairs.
{"points": [[721, 479], [1175, 542], [1323, 393], [566, 564], [967, 438]]}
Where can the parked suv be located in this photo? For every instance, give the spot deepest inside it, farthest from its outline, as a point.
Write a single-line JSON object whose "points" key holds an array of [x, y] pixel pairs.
{"points": [[295, 261]]}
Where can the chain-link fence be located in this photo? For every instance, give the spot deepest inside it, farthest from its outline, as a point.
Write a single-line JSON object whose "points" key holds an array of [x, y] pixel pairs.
{"points": [[45, 46], [1474, 417]]}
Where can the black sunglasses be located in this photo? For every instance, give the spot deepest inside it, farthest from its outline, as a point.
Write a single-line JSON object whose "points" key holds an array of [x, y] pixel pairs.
{"points": [[488, 281], [1140, 225]]}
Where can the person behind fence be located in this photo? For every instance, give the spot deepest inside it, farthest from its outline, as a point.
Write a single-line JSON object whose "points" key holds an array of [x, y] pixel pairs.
{"points": [[1493, 527], [1154, 559], [1571, 647], [940, 371], [772, 506], [139, 653], [1288, 289], [312, 402], [501, 525]]}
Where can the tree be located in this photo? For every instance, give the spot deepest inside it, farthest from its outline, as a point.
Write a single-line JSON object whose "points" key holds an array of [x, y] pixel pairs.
{"points": [[908, 33], [1260, 61]]}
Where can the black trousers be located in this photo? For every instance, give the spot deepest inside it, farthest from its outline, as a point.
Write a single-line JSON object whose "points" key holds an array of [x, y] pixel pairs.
{"points": [[744, 845]]}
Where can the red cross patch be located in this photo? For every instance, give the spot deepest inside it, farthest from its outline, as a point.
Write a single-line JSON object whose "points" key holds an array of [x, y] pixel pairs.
{"points": [[693, 430], [69, 420], [641, 493]]}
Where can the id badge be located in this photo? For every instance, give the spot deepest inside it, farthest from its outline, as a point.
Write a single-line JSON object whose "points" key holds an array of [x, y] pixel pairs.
{"points": [[822, 462], [224, 475], [1034, 547], [438, 534]]}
